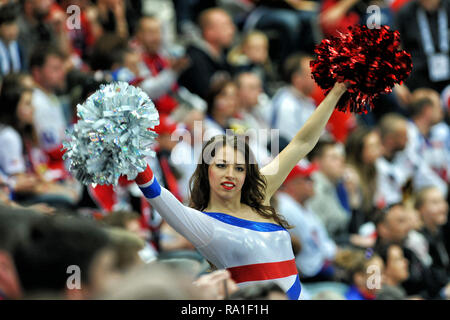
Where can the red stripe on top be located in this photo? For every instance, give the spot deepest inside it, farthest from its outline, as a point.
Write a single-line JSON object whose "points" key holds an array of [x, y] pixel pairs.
{"points": [[144, 176], [263, 271]]}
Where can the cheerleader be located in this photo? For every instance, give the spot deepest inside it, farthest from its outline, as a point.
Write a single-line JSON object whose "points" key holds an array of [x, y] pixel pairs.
{"points": [[230, 220]]}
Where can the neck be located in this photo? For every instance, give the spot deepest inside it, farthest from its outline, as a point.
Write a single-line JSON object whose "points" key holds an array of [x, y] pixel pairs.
{"points": [[299, 199], [423, 126], [214, 49], [217, 204], [43, 88], [220, 119], [390, 281], [432, 228], [388, 154]]}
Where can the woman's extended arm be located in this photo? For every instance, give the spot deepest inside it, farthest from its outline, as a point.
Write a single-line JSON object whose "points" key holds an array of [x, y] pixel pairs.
{"points": [[303, 142], [192, 224]]}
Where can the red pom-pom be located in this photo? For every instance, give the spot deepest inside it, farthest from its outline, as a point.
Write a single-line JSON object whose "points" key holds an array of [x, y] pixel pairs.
{"points": [[369, 60]]}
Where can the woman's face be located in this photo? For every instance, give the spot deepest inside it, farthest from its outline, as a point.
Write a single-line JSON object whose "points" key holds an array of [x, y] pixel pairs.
{"points": [[372, 148], [256, 49], [397, 264], [226, 101], [25, 109], [227, 174]]}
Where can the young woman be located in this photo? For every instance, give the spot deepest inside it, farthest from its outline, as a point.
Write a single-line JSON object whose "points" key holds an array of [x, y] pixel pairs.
{"points": [[231, 222]]}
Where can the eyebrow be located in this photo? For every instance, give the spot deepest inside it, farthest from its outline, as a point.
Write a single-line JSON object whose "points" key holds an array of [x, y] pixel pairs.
{"points": [[225, 161]]}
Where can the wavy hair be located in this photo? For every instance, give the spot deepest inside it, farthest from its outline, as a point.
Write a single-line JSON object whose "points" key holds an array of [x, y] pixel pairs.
{"points": [[253, 190]]}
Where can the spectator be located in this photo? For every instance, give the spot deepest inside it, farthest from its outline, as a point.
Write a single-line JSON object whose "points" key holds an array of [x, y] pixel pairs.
{"points": [[363, 148], [337, 15], [433, 209], [186, 153], [252, 55], [393, 227], [364, 273], [207, 56], [83, 36], [396, 166], [42, 23], [119, 16], [154, 282], [11, 55], [14, 225], [254, 104], [292, 104], [127, 247], [222, 104], [54, 244], [293, 21], [395, 272], [317, 249], [423, 31], [32, 183], [48, 73], [330, 201], [424, 138], [159, 75]]}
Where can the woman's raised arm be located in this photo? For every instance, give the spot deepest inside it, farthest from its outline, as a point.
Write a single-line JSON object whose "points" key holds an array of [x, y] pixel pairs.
{"points": [[304, 141]]}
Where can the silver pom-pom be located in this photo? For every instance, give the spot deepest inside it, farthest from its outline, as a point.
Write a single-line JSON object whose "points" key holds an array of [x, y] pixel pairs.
{"points": [[111, 137]]}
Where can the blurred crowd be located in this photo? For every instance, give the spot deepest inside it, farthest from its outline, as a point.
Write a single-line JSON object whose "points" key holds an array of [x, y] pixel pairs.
{"points": [[369, 205]]}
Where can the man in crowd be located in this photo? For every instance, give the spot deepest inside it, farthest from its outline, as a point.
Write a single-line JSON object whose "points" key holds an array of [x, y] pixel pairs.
{"points": [[317, 249], [292, 104], [396, 167], [207, 55]]}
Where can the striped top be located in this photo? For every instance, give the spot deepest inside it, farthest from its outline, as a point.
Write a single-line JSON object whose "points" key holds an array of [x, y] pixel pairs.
{"points": [[253, 252]]}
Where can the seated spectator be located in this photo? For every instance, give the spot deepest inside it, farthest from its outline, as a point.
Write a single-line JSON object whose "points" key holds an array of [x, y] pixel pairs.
{"points": [[433, 209], [207, 56], [83, 36], [330, 200], [292, 104], [293, 21], [157, 75], [395, 272], [364, 272], [61, 256], [222, 104], [47, 69], [396, 166], [186, 153], [393, 226], [252, 55], [118, 16], [11, 55], [337, 15], [30, 180], [429, 50], [363, 148], [269, 291], [14, 226], [317, 249], [254, 105], [155, 281], [128, 247], [424, 132]]}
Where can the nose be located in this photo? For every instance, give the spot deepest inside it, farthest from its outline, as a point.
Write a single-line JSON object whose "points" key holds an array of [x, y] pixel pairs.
{"points": [[229, 174]]}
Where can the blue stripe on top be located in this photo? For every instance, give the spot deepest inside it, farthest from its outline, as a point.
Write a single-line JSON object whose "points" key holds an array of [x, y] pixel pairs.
{"points": [[248, 224], [153, 190], [294, 291]]}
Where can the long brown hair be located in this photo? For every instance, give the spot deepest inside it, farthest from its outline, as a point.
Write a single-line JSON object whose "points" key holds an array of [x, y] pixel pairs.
{"points": [[253, 190], [367, 172]]}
